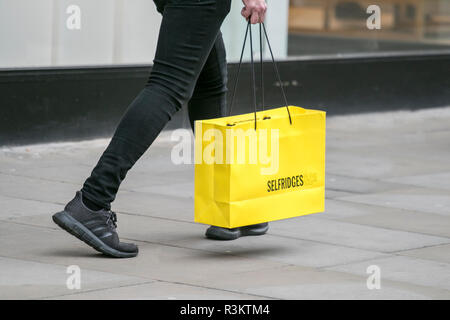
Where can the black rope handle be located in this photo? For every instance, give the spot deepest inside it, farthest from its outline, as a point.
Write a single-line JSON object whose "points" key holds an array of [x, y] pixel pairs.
{"points": [[249, 31], [238, 71], [261, 65], [277, 73], [253, 71]]}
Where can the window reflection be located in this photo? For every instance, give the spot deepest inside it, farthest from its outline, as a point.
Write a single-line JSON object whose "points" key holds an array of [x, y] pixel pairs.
{"points": [[340, 26]]}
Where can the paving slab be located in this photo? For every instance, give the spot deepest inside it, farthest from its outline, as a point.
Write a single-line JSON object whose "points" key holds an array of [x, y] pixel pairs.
{"points": [[402, 121], [410, 198], [392, 156], [155, 261], [406, 140], [337, 209], [14, 207], [139, 179], [385, 164], [289, 251], [439, 180], [267, 248], [160, 290], [353, 235], [73, 161], [294, 282], [73, 174], [336, 194], [435, 253], [36, 189], [180, 189], [21, 279], [53, 154], [387, 200], [357, 185], [399, 219], [155, 205], [405, 269]]}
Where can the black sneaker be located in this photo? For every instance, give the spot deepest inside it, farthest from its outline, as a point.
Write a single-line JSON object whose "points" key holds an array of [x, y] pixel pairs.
{"points": [[218, 233], [95, 228]]}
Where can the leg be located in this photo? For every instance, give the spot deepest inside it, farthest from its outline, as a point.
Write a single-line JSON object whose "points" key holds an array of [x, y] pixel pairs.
{"points": [[209, 101], [209, 98], [188, 33]]}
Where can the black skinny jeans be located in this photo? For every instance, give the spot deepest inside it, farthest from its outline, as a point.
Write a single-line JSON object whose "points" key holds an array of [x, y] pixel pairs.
{"points": [[189, 67]]}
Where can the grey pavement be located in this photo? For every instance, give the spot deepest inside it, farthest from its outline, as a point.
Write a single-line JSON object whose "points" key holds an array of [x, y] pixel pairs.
{"points": [[387, 205]]}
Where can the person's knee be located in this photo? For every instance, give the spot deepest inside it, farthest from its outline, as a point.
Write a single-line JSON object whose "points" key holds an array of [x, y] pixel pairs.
{"points": [[209, 89], [212, 82], [176, 93], [171, 102]]}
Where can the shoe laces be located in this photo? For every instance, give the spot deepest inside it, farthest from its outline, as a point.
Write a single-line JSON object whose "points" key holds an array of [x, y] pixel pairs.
{"points": [[112, 219]]}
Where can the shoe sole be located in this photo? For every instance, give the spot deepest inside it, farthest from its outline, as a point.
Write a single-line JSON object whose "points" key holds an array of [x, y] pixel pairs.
{"points": [[75, 228], [220, 234]]}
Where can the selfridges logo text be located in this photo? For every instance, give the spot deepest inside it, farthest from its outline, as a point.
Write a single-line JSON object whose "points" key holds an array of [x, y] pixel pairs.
{"points": [[295, 181], [285, 183]]}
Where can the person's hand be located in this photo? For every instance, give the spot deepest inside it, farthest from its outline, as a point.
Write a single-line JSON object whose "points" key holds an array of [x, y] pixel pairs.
{"points": [[255, 10]]}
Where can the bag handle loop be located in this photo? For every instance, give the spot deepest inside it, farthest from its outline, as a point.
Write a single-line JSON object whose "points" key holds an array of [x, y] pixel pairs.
{"points": [[262, 29]]}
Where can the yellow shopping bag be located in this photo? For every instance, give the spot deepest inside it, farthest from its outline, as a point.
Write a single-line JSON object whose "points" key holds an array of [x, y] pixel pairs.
{"points": [[287, 178], [260, 166]]}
